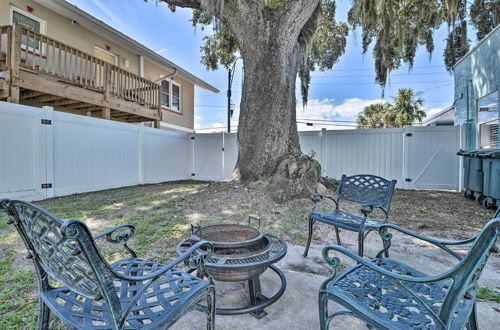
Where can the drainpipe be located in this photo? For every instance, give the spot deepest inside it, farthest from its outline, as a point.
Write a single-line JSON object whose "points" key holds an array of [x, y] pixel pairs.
{"points": [[167, 76]]}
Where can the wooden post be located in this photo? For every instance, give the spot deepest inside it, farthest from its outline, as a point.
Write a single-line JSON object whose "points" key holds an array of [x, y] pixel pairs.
{"points": [[14, 95], [15, 61], [157, 123], [106, 113], [15, 54], [107, 80]]}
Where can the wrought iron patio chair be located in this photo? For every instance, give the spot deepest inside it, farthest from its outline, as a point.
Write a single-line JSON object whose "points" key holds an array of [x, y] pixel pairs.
{"points": [[368, 190], [131, 293], [387, 294]]}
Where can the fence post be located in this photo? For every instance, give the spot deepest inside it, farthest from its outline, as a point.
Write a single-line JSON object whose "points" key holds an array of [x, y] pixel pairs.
{"points": [[191, 173], [407, 134], [48, 143], [223, 149], [140, 133], [323, 152], [461, 139]]}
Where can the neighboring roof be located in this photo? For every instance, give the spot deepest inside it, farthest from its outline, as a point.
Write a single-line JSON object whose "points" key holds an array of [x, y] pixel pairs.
{"points": [[446, 115], [88, 21], [486, 37]]}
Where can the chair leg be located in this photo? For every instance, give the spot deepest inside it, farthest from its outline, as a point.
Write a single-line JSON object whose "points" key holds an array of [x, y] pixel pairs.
{"points": [[308, 244], [43, 316], [323, 312], [361, 243], [472, 323], [211, 310], [338, 236]]}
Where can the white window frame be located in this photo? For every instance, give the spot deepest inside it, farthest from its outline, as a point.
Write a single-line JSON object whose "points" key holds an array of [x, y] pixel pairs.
{"points": [[33, 17], [171, 96], [107, 52], [478, 124]]}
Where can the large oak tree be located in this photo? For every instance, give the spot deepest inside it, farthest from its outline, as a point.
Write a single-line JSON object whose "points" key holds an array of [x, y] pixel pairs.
{"points": [[280, 40]]}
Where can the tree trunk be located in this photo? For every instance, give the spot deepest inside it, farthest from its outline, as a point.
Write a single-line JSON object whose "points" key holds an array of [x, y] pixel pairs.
{"points": [[268, 141], [272, 42]]}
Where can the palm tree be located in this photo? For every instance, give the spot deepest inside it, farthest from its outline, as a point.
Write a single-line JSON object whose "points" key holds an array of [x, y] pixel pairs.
{"points": [[408, 107], [378, 115]]}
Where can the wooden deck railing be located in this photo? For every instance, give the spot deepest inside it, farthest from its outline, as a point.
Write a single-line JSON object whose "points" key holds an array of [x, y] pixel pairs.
{"points": [[38, 53], [5, 47]]}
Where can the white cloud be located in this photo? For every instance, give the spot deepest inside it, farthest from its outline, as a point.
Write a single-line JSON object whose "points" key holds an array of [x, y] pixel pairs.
{"points": [[433, 111], [325, 109]]}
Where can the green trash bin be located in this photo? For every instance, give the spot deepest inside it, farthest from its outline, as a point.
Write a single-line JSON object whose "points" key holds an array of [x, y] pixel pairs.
{"points": [[491, 181], [473, 173]]}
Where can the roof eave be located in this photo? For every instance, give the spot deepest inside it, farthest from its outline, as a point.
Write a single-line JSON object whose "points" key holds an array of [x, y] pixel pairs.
{"points": [[103, 28]]}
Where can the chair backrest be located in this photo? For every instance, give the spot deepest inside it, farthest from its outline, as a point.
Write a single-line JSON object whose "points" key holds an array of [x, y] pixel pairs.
{"points": [[466, 274], [367, 189], [59, 256]]}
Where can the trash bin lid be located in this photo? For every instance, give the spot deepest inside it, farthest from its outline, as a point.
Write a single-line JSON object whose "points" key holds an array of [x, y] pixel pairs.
{"points": [[470, 153], [490, 153]]}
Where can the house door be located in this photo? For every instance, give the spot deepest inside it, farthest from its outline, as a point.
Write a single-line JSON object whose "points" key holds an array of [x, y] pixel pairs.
{"points": [[30, 22]]}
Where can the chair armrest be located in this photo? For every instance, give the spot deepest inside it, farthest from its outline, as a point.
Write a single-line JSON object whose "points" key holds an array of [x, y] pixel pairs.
{"points": [[315, 198], [335, 263], [122, 233], [194, 257], [439, 243]]}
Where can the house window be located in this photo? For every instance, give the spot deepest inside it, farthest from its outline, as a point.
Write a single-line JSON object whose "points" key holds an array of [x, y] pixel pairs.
{"points": [[165, 94], [105, 56], [171, 96], [30, 22], [176, 97], [487, 118]]}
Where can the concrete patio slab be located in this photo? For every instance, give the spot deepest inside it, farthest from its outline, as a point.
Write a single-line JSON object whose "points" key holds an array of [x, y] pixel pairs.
{"points": [[298, 308]]}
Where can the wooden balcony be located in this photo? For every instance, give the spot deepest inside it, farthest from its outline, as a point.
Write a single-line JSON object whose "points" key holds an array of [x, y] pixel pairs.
{"points": [[40, 71]]}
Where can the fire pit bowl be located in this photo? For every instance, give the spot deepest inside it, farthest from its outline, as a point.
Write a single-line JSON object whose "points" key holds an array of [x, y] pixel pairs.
{"points": [[240, 252]]}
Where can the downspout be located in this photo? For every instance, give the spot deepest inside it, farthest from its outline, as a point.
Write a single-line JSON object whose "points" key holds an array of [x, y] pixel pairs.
{"points": [[167, 76]]}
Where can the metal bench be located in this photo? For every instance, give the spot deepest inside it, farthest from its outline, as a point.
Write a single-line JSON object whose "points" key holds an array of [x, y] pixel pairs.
{"points": [[368, 190], [387, 294], [131, 293]]}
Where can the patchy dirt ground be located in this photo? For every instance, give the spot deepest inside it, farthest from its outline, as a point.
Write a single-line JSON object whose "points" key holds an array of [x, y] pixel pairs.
{"points": [[162, 214]]}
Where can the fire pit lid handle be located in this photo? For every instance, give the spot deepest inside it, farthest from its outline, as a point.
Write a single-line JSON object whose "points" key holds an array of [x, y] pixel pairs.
{"points": [[253, 216]]}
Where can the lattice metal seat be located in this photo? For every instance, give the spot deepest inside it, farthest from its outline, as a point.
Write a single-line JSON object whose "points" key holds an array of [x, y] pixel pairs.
{"points": [[345, 220], [162, 301], [368, 190], [132, 293], [388, 294]]}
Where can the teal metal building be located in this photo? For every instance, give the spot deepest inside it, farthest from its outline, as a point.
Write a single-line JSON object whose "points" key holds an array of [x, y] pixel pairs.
{"points": [[477, 81]]}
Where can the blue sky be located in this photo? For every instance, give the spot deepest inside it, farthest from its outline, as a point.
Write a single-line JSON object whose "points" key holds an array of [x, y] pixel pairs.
{"points": [[338, 94]]}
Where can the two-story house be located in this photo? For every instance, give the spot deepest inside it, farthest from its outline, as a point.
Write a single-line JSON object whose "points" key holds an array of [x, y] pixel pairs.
{"points": [[54, 54]]}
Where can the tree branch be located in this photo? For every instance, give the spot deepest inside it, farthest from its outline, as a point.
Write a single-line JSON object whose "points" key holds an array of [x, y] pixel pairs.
{"points": [[194, 4], [295, 14]]}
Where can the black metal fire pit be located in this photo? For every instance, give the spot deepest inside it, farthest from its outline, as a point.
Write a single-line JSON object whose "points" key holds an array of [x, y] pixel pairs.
{"points": [[241, 253]]}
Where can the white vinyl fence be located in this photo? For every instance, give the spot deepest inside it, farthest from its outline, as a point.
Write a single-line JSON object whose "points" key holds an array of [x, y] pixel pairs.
{"points": [[46, 153], [417, 157]]}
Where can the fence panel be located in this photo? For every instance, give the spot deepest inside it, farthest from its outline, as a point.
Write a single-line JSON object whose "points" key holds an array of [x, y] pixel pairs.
{"points": [[93, 154], [377, 152], [23, 153], [208, 156], [165, 155], [432, 159]]}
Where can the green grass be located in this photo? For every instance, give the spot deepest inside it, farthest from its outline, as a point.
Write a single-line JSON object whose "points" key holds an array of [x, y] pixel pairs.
{"points": [[488, 294], [162, 215]]}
